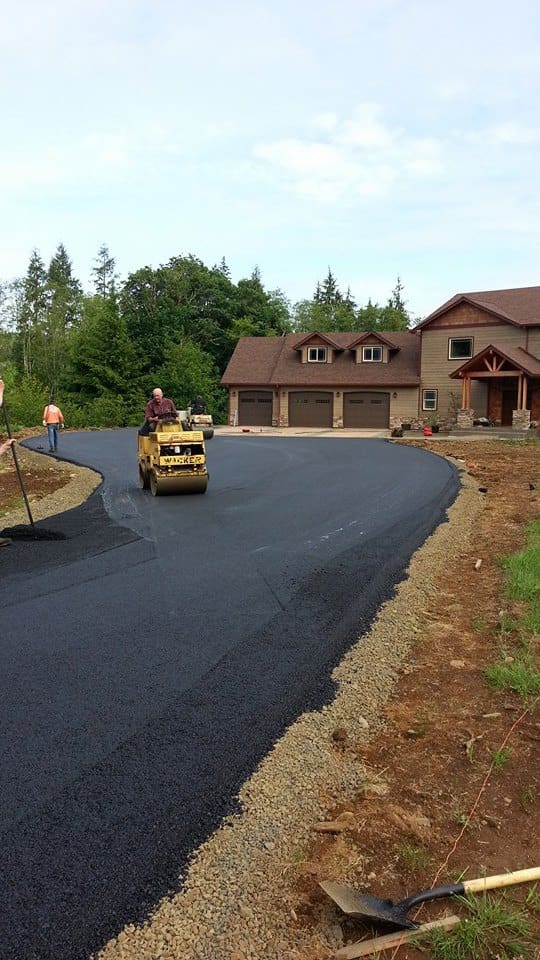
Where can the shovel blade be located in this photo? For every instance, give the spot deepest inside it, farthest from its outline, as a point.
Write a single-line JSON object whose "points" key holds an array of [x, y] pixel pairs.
{"points": [[362, 906]]}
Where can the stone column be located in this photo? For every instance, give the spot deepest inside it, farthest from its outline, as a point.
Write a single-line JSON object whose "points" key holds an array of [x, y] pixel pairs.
{"points": [[521, 419], [465, 418], [337, 421], [275, 408], [283, 408], [233, 408]]}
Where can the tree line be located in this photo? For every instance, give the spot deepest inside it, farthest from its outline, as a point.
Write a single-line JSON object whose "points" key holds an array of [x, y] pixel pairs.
{"points": [[100, 353]]}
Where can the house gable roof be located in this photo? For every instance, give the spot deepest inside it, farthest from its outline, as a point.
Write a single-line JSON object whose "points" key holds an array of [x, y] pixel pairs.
{"points": [[274, 361], [519, 306], [314, 334], [372, 333], [519, 358]]}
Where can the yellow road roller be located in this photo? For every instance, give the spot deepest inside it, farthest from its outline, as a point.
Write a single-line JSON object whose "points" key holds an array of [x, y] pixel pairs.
{"points": [[172, 460]]}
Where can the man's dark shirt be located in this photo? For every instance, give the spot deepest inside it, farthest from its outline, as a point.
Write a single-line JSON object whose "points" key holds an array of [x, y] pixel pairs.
{"points": [[159, 408]]}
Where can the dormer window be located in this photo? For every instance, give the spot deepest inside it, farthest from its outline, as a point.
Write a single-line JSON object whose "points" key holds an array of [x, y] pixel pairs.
{"points": [[372, 354], [317, 355]]}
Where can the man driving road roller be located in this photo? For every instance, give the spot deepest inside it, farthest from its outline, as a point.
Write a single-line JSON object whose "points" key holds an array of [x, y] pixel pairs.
{"points": [[157, 408]]}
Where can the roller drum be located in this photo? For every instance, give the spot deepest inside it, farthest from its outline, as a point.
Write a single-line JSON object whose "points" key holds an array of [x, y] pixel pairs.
{"points": [[163, 486]]}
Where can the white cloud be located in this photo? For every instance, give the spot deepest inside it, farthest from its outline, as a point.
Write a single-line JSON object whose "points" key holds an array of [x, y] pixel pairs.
{"points": [[512, 133], [325, 121], [326, 171], [91, 158], [365, 130], [359, 157], [424, 157], [452, 90]]}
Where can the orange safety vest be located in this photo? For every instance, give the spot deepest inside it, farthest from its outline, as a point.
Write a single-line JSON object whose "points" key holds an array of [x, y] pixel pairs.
{"points": [[52, 414]]}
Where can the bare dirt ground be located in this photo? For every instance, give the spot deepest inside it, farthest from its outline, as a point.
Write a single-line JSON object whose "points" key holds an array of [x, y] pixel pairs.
{"points": [[51, 486]]}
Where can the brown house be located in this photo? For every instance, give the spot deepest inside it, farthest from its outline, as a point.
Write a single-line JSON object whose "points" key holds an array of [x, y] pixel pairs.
{"points": [[481, 357], [476, 356]]}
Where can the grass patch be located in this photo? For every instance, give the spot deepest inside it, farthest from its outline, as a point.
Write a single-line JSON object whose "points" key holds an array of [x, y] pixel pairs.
{"points": [[521, 676], [500, 758], [520, 672], [492, 929], [527, 796], [531, 620], [507, 625], [532, 900], [523, 568], [414, 858]]}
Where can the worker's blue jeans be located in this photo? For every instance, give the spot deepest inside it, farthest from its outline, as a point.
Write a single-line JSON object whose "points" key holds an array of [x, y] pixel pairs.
{"points": [[52, 430]]}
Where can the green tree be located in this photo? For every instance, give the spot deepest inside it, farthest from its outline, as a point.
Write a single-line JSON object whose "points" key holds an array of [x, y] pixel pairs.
{"points": [[30, 301], [310, 316], [104, 273], [183, 299], [187, 372], [328, 291], [63, 312], [103, 359], [223, 268], [370, 317], [259, 313]]}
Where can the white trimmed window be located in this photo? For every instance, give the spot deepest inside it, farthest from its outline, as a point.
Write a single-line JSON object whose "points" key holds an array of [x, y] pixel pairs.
{"points": [[372, 354], [429, 399], [316, 355], [460, 348]]}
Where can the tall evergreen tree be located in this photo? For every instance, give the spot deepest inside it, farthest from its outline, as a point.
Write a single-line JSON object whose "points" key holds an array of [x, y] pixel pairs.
{"points": [[104, 273], [396, 316], [396, 300], [63, 314], [329, 290], [223, 268], [31, 302]]}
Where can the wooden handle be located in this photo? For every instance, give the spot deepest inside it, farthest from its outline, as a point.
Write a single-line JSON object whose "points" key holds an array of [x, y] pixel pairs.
{"points": [[367, 948], [501, 880]]}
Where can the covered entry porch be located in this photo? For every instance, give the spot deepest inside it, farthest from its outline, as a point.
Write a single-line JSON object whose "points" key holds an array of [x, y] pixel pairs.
{"points": [[512, 377]]}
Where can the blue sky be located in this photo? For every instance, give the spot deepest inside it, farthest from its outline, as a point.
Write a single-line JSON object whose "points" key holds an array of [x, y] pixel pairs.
{"points": [[375, 136]]}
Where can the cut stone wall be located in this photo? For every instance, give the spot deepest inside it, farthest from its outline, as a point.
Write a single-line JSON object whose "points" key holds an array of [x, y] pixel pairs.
{"points": [[465, 418], [521, 419]]}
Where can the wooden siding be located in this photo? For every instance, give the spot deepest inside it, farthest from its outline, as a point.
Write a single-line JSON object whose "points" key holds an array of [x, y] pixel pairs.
{"points": [[534, 341], [404, 407], [436, 367], [464, 315]]}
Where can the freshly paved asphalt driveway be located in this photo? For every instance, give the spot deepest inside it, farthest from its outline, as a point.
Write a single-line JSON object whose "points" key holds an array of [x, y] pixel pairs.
{"points": [[146, 668]]}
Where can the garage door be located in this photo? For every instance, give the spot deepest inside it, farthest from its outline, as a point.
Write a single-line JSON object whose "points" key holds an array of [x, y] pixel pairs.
{"points": [[313, 409], [366, 409], [255, 408]]}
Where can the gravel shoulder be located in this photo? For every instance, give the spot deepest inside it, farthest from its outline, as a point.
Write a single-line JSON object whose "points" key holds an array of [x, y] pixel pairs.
{"points": [[52, 486]]}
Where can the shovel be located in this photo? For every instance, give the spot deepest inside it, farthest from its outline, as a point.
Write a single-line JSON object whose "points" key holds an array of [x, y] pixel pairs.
{"points": [[370, 909]]}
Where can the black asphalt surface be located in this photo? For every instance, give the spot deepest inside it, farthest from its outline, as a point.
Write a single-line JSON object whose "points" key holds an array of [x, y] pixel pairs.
{"points": [[150, 660]]}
